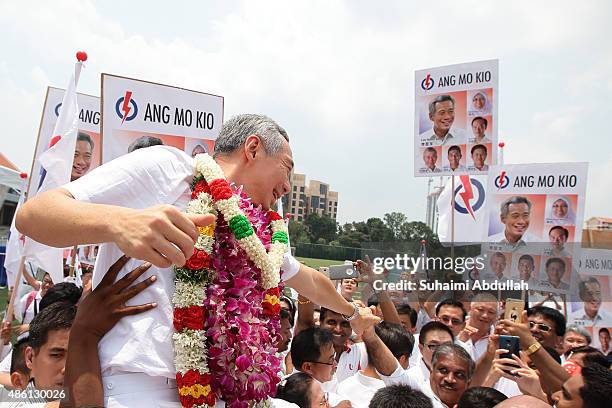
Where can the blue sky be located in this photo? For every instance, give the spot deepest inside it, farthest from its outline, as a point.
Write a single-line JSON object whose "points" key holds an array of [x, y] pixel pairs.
{"points": [[337, 75]]}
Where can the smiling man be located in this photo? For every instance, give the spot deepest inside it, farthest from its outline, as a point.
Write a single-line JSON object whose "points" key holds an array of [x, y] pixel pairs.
{"points": [[442, 116], [134, 206], [452, 369], [83, 153], [515, 215]]}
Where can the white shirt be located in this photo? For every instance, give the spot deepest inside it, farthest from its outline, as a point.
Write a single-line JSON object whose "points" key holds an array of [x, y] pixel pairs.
{"points": [[507, 387], [32, 309], [452, 137], [428, 170], [579, 317], [359, 389], [485, 167], [478, 349], [485, 140], [461, 167], [5, 365], [403, 377], [142, 179], [501, 239], [352, 360]]}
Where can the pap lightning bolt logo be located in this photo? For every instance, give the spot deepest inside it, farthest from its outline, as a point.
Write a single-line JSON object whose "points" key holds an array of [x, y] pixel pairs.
{"points": [[126, 105], [502, 181], [467, 194], [427, 83]]}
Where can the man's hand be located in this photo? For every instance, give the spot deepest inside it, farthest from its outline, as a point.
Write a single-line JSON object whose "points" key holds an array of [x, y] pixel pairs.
{"points": [[467, 332], [107, 301], [161, 235], [517, 329], [365, 319], [344, 404], [526, 378], [5, 333]]}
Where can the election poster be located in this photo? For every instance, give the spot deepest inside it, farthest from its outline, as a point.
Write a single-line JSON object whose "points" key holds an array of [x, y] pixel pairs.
{"points": [[534, 216], [456, 119], [88, 147], [592, 304], [139, 113]]}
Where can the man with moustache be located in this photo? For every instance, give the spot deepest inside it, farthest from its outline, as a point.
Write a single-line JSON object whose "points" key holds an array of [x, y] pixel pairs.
{"points": [[515, 213], [452, 370]]}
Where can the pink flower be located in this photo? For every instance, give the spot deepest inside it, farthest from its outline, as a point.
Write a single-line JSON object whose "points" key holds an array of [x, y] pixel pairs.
{"points": [[243, 362]]}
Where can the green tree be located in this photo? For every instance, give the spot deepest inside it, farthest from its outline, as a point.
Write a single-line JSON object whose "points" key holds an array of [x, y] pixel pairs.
{"points": [[298, 233], [394, 221], [321, 227], [378, 231]]}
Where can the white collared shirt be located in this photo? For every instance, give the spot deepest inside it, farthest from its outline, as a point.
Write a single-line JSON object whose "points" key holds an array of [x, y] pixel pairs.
{"points": [[142, 179], [353, 359], [579, 317], [453, 137], [359, 389], [501, 239], [405, 377]]}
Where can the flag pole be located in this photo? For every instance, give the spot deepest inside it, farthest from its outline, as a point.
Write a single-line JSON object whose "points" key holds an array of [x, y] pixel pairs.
{"points": [[8, 316], [73, 261], [452, 216]]}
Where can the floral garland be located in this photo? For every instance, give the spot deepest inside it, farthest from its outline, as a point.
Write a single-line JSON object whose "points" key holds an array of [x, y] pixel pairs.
{"points": [[227, 297]]}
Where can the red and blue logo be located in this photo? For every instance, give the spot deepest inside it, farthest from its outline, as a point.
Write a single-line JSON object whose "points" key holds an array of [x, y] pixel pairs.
{"points": [[427, 83], [126, 107], [502, 181], [471, 198]]}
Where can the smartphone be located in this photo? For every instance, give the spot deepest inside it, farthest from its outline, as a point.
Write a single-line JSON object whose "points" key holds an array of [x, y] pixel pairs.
{"points": [[514, 309], [510, 343], [344, 271]]}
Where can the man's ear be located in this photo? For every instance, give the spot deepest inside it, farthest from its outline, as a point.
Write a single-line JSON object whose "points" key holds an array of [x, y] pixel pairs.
{"points": [[252, 147], [306, 368], [19, 380], [29, 356]]}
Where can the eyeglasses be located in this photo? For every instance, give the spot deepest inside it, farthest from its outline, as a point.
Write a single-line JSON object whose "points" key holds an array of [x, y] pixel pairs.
{"points": [[333, 362], [448, 320], [432, 347], [541, 326]]}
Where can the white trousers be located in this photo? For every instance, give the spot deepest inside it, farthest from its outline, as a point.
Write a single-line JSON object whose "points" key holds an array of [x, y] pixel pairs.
{"points": [[137, 390]]}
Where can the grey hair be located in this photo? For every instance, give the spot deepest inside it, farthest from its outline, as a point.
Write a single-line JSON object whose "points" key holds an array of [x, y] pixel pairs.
{"points": [[235, 132], [439, 99], [579, 330], [144, 141], [505, 206], [454, 350]]}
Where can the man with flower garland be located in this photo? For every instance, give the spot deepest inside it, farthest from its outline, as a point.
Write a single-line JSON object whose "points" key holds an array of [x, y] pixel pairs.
{"points": [[134, 205]]}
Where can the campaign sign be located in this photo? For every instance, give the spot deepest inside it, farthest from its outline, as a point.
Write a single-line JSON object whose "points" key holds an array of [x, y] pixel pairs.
{"points": [[88, 147], [137, 113], [455, 126]]}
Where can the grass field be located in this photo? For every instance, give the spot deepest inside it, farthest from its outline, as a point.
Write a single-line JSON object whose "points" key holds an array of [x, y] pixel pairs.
{"points": [[316, 263]]}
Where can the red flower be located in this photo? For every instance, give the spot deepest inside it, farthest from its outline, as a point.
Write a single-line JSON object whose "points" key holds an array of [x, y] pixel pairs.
{"points": [[271, 302], [191, 317], [190, 378], [274, 216], [201, 187], [270, 310], [220, 189], [198, 260]]}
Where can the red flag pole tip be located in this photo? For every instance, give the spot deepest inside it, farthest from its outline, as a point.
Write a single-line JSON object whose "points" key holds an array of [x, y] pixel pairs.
{"points": [[23, 175], [423, 242], [81, 56], [501, 144]]}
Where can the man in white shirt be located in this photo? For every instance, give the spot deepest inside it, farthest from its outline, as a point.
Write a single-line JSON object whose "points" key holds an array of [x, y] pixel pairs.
{"points": [[430, 157], [442, 116], [526, 267], [497, 266], [590, 313], [479, 127], [454, 158], [133, 204], [555, 269], [479, 157], [361, 387], [515, 214], [482, 316], [28, 305]]}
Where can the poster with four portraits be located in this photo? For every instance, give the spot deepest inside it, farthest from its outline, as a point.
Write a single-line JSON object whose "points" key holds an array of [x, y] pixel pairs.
{"points": [[456, 119], [533, 221]]}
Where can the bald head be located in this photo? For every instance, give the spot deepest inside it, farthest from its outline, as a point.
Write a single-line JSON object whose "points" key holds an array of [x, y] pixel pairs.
{"points": [[523, 401]]}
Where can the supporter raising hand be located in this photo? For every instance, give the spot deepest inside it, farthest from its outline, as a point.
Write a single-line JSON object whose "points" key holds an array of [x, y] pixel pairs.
{"points": [[517, 370]]}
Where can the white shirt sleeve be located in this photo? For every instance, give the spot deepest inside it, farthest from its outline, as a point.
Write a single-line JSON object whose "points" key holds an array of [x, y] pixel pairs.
{"points": [[5, 365], [141, 179], [19, 308], [290, 267]]}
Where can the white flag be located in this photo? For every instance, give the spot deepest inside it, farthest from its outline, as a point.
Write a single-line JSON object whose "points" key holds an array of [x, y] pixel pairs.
{"points": [[14, 246], [470, 209], [56, 164]]}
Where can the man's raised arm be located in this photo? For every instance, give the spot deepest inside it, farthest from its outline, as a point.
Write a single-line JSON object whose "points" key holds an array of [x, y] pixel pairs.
{"points": [[161, 235]]}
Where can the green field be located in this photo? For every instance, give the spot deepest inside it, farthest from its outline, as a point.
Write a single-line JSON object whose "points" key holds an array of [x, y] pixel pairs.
{"points": [[317, 263]]}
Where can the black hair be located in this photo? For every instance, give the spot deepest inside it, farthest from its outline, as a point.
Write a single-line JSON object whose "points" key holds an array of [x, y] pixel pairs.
{"points": [[296, 389], [405, 309], [597, 386], [486, 122], [284, 314], [558, 227], [400, 396], [307, 345], [481, 397], [84, 137], [323, 314], [527, 257], [557, 260], [18, 357], [591, 356], [434, 326], [454, 147], [478, 146], [551, 314], [61, 292], [397, 339], [144, 141], [289, 301], [604, 330], [453, 303], [57, 316]]}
